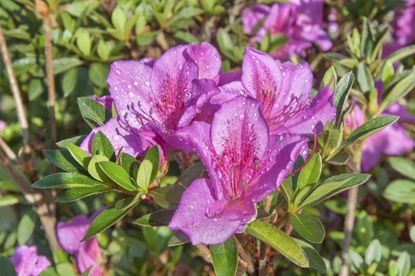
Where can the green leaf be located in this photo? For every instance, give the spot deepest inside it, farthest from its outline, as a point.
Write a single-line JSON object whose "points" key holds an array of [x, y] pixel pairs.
{"points": [[119, 19], [103, 50], [279, 241], [26, 227], [83, 41], [373, 252], [153, 155], [98, 74], [92, 112], [61, 65], [401, 54], [314, 258], [129, 163], [102, 145], [404, 166], [77, 140], [7, 200], [225, 257], [63, 159], [118, 175], [401, 190], [311, 172], [329, 80], [334, 185], [412, 233], [81, 156], [65, 181], [369, 128], [95, 170], [167, 197], [146, 38], [403, 264], [398, 90], [340, 158], [309, 227], [364, 78], [75, 194], [191, 173], [343, 90], [144, 175], [158, 218], [7, 267], [186, 37], [35, 89], [178, 239], [69, 81], [104, 220]]}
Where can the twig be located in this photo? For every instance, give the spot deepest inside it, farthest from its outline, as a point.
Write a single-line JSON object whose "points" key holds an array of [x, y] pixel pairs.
{"points": [[35, 198], [7, 150], [21, 114], [204, 253], [51, 79], [245, 257], [350, 216], [348, 229]]}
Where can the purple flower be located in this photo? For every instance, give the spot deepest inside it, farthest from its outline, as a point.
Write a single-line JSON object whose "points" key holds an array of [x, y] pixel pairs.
{"points": [[284, 91], [402, 24], [27, 262], [87, 253], [393, 140], [301, 21], [245, 164], [154, 98], [2, 125]]}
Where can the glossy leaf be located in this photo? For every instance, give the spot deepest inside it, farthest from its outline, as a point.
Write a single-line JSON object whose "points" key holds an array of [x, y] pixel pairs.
{"points": [[92, 112], [225, 257], [65, 181], [334, 185], [373, 252], [369, 128], [314, 258], [117, 174], [158, 218], [401, 190], [403, 166], [81, 156], [63, 159], [309, 227], [310, 174], [279, 241], [102, 145]]}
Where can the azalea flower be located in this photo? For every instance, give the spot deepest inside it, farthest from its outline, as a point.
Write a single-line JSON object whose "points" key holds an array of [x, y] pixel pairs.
{"points": [[154, 98], [393, 140], [284, 91], [300, 21], [245, 164], [402, 25], [87, 253], [27, 262]]}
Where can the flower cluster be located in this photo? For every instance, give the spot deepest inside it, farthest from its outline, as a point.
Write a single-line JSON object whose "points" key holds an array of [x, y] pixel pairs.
{"points": [[248, 127], [300, 21]]}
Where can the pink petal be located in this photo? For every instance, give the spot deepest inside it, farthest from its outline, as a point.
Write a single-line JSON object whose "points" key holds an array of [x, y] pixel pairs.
{"points": [[191, 216], [120, 138], [207, 59]]}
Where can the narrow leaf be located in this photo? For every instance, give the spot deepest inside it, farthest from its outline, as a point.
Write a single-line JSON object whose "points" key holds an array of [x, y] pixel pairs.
{"points": [[65, 181], [311, 172]]}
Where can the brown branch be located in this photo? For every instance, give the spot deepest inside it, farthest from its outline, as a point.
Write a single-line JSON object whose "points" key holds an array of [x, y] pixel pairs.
{"points": [[245, 257], [350, 215], [51, 80], [21, 114], [33, 197]]}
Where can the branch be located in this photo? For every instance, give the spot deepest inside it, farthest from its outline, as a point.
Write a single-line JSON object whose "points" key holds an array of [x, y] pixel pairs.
{"points": [[50, 79], [350, 215], [34, 197], [21, 114]]}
